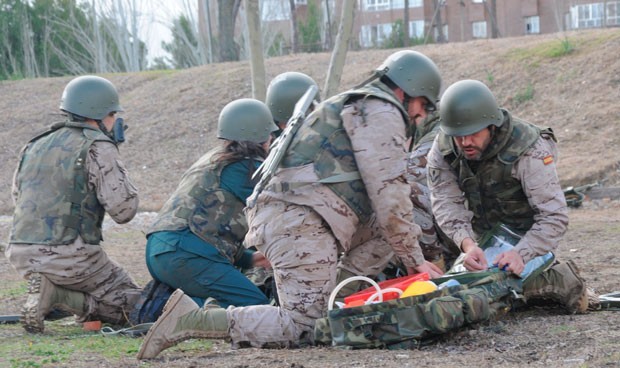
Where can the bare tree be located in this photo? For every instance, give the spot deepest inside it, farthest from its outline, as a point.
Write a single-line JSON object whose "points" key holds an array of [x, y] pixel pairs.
{"points": [[257, 61], [294, 36], [406, 25], [491, 7], [226, 16], [339, 54], [204, 29]]}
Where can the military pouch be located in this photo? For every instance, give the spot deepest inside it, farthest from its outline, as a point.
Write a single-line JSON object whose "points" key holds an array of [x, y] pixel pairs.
{"points": [[475, 305], [443, 314]]}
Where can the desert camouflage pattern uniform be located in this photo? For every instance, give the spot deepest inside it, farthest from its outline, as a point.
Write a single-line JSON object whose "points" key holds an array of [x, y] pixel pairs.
{"points": [[301, 226], [542, 210], [78, 262], [372, 257]]}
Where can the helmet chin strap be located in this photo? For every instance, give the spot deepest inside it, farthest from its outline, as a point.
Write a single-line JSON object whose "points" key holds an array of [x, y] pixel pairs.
{"points": [[410, 128], [104, 129]]}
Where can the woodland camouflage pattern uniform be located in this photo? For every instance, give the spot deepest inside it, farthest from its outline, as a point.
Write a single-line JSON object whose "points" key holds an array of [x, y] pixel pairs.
{"points": [[44, 238], [73, 258], [514, 182]]}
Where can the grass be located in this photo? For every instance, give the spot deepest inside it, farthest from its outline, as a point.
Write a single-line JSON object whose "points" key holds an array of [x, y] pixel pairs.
{"points": [[64, 343], [524, 95], [544, 50], [14, 290]]}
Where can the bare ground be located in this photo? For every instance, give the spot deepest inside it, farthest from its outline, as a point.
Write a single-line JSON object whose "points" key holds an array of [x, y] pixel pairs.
{"points": [[173, 116]]}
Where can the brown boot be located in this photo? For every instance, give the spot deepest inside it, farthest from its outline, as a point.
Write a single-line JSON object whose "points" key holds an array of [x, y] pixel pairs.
{"points": [[183, 319], [43, 296], [561, 284]]}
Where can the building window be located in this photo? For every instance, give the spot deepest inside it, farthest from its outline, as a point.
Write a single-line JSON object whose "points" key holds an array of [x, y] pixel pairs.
{"points": [[273, 10], [532, 25], [479, 29], [378, 5], [375, 5], [587, 15], [400, 4], [375, 34], [613, 13], [416, 29]]}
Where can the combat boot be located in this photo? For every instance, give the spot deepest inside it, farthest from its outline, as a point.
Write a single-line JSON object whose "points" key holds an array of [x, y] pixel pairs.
{"points": [[183, 319], [561, 284], [43, 296]]}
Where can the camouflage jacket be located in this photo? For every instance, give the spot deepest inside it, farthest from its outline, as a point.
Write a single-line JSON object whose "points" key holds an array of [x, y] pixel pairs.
{"points": [[54, 202], [367, 142], [515, 183], [213, 214]]}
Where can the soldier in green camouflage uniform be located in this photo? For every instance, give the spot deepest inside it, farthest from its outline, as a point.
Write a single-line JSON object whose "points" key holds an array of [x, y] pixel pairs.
{"points": [[66, 180], [195, 242], [488, 167], [344, 171]]}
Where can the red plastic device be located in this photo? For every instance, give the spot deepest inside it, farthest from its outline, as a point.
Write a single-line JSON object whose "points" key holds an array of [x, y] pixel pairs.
{"points": [[400, 283]]}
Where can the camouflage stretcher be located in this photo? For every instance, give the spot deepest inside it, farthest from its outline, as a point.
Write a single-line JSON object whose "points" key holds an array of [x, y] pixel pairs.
{"points": [[405, 323]]}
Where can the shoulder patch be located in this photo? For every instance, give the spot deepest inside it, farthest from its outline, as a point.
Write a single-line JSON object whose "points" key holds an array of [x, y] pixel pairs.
{"points": [[548, 160]]}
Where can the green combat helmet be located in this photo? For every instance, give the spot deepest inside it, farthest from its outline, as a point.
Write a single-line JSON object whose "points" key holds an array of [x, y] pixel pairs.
{"points": [[90, 97], [245, 119], [467, 107], [414, 73], [284, 91]]}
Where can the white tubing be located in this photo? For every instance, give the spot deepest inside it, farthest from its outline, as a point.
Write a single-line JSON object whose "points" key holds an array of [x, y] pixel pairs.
{"points": [[332, 297], [381, 292]]}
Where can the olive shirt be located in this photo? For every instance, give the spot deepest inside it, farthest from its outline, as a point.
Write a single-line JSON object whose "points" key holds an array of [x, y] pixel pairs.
{"points": [[540, 183]]}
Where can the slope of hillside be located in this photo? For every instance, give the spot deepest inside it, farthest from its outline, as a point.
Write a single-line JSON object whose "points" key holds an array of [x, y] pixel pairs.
{"points": [[173, 114]]}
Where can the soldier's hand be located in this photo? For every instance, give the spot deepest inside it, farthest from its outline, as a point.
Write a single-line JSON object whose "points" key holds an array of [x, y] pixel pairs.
{"points": [[510, 261], [474, 259], [430, 268], [259, 260]]}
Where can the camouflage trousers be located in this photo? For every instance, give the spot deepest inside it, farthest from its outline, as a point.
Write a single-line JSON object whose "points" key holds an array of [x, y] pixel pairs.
{"points": [[303, 253], [109, 291], [370, 254]]}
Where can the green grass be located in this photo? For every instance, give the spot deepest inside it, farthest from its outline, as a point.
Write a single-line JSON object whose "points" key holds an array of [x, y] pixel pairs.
{"points": [[15, 290], [524, 95], [69, 345], [546, 50]]}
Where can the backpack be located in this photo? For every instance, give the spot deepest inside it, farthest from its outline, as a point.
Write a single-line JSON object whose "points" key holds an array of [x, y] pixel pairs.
{"points": [[408, 322]]}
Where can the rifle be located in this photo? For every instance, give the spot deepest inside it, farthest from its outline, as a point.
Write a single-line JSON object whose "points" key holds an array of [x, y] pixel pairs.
{"points": [[280, 145]]}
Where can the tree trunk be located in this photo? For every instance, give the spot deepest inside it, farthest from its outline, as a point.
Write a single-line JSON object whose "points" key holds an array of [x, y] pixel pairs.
{"points": [[493, 15], [226, 15], [329, 37], [406, 36], [441, 38], [294, 36], [257, 62], [339, 54]]}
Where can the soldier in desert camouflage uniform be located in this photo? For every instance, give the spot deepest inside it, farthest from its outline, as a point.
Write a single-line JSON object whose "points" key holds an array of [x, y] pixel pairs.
{"points": [[343, 172], [488, 167], [195, 242], [66, 180]]}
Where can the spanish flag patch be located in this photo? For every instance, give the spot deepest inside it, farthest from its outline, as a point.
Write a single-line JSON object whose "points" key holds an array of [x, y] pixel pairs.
{"points": [[548, 160]]}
